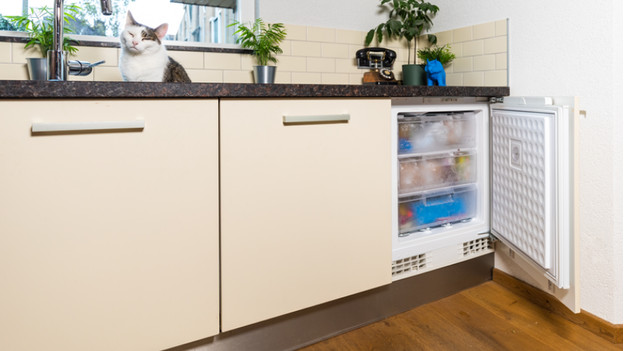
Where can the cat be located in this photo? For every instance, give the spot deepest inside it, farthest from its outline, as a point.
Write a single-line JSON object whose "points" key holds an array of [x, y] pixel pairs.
{"points": [[435, 73], [143, 57]]}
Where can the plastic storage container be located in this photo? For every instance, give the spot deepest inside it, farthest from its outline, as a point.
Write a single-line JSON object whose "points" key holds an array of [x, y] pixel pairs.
{"points": [[432, 132], [436, 171], [434, 209]]}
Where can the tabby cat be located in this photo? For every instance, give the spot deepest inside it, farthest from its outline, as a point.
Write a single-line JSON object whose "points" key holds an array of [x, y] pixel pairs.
{"points": [[144, 58]]}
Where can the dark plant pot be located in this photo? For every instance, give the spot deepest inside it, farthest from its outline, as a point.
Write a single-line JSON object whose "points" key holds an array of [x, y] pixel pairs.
{"points": [[414, 75], [37, 68]]}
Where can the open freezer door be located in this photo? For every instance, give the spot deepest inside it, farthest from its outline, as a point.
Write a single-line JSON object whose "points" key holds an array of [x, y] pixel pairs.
{"points": [[532, 193]]}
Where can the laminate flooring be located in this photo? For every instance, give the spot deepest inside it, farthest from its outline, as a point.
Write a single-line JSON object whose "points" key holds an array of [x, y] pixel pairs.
{"points": [[486, 317]]}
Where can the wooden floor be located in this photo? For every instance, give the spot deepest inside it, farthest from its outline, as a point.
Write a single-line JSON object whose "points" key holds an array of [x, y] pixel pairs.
{"points": [[486, 317]]}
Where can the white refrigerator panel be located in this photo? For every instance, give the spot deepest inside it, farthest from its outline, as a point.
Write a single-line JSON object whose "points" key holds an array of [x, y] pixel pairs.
{"points": [[523, 170]]}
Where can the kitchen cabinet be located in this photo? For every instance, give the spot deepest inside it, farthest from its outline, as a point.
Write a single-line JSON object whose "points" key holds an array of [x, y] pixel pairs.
{"points": [[109, 232], [305, 203]]}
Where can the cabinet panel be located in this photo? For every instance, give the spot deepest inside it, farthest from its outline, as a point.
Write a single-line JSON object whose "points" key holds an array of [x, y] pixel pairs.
{"points": [[108, 239], [306, 208]]}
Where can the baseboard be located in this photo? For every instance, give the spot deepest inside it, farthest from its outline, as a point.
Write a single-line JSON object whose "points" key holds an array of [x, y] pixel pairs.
{"points": [[598, 326], [317, 323]]}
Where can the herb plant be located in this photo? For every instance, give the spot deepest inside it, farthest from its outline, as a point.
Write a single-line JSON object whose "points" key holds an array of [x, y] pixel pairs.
{"points": [[263, 39], [407, 19], [440, 53], [39, 24]]}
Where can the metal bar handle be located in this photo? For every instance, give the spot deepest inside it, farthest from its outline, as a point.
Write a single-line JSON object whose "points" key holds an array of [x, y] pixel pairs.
{"points": [[41, 127], [316, 119]]}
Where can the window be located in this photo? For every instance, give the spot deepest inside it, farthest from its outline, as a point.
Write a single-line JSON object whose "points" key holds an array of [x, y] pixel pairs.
{"points": [[196, 21]]}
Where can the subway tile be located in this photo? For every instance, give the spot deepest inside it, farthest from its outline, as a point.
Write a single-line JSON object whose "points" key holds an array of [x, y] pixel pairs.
{"points": [[457, 49], [501, 61], [454, 79], [472, 48], [485, 30], [294, 32], [95, 54], [20, 53], [305, 48], [14, 71], [306, 78], [237, 77], [355, 79], [485, 63], [248, 61], [283, 77], [107, 74], [473, 79], [347, 66], [292, 64], [189, 59], [445, 37], [317, 64], [495, 45], [5, 52], [350, 37], [462, 64], [326, 35], [462, 34], [205, 76], [334, 50], [286, 47], [217, 60], [501, 27], [496, 78], [334, 78]]}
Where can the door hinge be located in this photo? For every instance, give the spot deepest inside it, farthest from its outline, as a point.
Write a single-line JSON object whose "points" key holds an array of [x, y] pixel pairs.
{"points": [[496, 99]]}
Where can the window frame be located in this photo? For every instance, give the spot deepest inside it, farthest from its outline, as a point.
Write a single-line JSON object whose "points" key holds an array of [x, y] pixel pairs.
{"points": [[247, 10]]}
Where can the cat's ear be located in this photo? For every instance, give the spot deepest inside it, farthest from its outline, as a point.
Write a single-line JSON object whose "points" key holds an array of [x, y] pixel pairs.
{"points": [[130, 20], [161, 30]]}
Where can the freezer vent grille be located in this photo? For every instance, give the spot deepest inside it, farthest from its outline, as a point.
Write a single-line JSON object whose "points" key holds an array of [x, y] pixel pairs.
{"points": [[410, 264], [477, 246]]}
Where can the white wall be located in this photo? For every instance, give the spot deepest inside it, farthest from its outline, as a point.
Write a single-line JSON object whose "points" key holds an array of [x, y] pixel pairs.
{"points": [[557, 48]]}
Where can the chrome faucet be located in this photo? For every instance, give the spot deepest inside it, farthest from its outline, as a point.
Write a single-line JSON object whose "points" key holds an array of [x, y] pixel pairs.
{"points": [[58, 65]]}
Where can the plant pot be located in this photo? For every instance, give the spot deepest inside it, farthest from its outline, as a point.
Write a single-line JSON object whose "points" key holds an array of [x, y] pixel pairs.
{"points": [[414, 75], [264, 74], [37, 68]]}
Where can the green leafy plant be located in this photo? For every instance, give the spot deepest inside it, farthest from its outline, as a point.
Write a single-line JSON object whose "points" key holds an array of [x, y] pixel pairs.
{"points": [[440, 53], [263, 39], [407, 19], [39, 24]]}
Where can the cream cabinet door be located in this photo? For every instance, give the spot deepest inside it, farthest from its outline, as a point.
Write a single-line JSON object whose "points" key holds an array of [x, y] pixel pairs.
{"points": [[305, 207], [108, 238]]}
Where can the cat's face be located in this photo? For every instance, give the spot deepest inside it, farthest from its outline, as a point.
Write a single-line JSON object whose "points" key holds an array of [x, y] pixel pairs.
{"points": [[137, 38]]}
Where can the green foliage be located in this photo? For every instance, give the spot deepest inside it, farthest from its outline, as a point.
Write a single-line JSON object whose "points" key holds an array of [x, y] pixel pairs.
{"points": [[39, 24], [440, 53], [407, 19], [263, 39]]}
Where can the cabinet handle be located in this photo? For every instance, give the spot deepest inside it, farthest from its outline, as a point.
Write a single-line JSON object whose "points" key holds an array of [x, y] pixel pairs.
{"points": [[316, 119], [41, 127]]}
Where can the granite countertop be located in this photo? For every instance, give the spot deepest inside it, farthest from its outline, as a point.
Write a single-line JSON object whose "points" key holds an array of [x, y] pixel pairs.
{"points": [[20, 89]]}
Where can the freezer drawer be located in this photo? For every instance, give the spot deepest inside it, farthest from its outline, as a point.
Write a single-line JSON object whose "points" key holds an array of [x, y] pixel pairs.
{"points": [[435, 131], [436, 171], [437, 208]]}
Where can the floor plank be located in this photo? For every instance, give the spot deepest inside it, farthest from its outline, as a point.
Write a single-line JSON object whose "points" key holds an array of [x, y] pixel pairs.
{"points": [[486, 317]]}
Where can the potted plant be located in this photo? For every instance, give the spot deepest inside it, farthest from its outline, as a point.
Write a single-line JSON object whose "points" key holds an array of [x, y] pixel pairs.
{"points": [[264, 40], [39, 24], [407, 19], [440, 53]]}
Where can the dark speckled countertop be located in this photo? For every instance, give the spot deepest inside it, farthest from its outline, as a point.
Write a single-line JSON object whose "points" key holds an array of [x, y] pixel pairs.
{"points": [[18, 89]]}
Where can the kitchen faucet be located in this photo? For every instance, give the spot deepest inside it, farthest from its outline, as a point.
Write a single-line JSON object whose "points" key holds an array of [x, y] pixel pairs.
{"points": [[58, 65]]}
